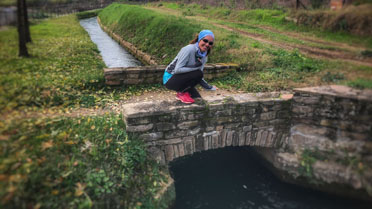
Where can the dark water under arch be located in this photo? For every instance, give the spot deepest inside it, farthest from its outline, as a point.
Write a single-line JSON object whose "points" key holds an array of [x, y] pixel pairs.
{"points": [[236, 178]]}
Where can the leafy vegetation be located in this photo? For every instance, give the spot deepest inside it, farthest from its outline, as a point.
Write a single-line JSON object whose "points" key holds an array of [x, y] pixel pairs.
{"points": [[88, 14], [276, 18], [65, 69], [157, 34], [75, 163], [264, 67]]}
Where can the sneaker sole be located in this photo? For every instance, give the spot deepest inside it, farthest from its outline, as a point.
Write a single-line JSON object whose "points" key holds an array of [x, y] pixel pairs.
{"points": [[184, 101]]}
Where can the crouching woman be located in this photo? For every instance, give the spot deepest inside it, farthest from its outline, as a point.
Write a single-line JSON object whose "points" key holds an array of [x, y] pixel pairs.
{"points": [[186, 69]]}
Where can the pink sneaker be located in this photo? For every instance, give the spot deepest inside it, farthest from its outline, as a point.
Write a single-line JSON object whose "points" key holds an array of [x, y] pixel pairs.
{"points": [[185, 97]]}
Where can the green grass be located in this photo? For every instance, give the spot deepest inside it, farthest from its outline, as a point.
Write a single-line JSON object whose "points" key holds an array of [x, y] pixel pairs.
{"points": [[361, 83], [271, 17], [65, 69], [88, 14], [64, 66], [157, 34], [160, 35], [86, 162]]}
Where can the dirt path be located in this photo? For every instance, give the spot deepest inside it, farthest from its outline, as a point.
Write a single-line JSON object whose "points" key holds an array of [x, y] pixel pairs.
{"points": [[114, 107], [351, 54]]}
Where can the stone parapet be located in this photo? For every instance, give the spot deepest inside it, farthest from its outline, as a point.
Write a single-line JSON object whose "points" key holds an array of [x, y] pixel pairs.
{"points": [[172, 129], [332, 119], [154, 73], [330, 139]]}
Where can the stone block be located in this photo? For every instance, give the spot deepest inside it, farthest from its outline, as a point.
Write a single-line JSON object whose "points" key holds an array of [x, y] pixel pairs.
{"points": [[133, 75], [247, 128], [219, 128], [248, 118], [156, 154], [283, 114], [164, 126], [303, 110], [175, 150], [215, 144], [164, 118], [248, 138], [310, 100], [268, 115], [188, 147], [220, 113], [194, 131], [199, 143], [229, 138], [181, 149], [139, 128], [169, 153], [261, 124], [309, 130], [263, 139], [132, 81], [258, 138], [232, 125], [223, 137], [188, 124], [175, 133], [299, 141], [138, 121], [206, 142], [168, 141], [270, 140], [242, 138], [151, 136], [235, 141]]}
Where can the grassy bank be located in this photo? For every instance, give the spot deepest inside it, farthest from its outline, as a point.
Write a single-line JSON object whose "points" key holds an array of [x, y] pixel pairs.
{"points": [[332, 27], [64, 68], [64, 71], [86, 162], [263, 67]]}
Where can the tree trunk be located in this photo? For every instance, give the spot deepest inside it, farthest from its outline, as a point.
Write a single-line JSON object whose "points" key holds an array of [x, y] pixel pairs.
{"points": [[21, 29], [27, 25]]}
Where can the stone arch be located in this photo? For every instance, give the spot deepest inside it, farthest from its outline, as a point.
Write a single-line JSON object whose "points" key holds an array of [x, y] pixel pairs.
{"points": [[172, 129]]}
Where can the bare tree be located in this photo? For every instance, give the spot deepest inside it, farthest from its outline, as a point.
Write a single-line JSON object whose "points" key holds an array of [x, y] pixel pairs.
{"points": [[27, 25], [21, 25]]}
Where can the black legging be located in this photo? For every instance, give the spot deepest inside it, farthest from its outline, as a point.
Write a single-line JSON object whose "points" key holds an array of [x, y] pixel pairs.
{"points": [[185, 82]]}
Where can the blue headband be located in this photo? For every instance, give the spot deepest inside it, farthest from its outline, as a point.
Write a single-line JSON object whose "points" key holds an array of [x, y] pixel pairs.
{"points": [[205, 33]]}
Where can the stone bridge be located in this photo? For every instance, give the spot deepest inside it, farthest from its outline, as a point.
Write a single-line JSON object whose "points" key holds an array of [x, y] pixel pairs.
{"points": [[333, 124], [173, 129]]}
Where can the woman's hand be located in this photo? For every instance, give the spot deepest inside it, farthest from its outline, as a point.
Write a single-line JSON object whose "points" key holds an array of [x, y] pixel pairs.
{"points": [[214, 88]]}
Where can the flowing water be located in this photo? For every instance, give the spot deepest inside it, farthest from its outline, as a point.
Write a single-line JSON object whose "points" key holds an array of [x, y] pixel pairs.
{"points": [[112, 53], [235, 178]]}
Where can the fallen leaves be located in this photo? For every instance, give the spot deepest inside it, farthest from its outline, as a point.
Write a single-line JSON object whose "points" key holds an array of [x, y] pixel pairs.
{"points": [[4, 137], [79, 190], [47, 144]]}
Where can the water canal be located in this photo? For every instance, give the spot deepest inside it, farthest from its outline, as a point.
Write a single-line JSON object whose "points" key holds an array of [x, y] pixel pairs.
{"points": [[236, 178], [112, 53], [229, 178]]}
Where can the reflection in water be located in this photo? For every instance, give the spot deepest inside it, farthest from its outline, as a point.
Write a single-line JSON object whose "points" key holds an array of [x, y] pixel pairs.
{"points": [[112, 53], [235, 178]]}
